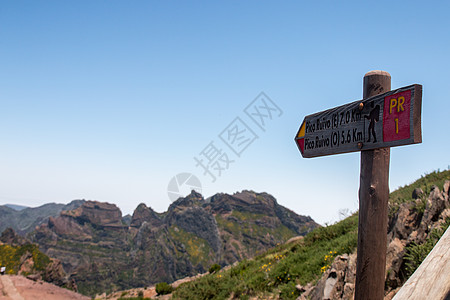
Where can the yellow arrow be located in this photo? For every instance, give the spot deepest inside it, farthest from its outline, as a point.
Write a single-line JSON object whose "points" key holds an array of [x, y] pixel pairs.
{"points": [[301, 132]]}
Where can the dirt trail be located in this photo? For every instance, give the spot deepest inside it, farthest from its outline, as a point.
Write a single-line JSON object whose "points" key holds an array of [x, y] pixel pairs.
{"points": [[8, 288], [20, 288]]}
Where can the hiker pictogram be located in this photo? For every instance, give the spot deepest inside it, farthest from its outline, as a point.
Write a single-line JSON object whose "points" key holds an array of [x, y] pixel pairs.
{"points": [[373, 117]]}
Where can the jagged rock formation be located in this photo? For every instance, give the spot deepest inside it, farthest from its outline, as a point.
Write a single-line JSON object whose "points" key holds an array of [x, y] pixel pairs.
{"points": [[145, 214], [104, 253], [412, 223], [98, 214], [25, 220], [127, 219], [11, 238]]}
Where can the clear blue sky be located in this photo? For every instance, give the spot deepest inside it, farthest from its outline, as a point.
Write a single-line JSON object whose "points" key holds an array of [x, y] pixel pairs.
{"points": [[108, 100]]}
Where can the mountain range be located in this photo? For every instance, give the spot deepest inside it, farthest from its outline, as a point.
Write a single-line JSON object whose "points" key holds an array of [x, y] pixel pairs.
{"points": [[103, 251], [93, 247], [25, 219]]}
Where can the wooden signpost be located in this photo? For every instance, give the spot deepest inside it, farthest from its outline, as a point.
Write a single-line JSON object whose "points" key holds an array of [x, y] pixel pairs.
{"points": [[385, 120], [382, 119]]}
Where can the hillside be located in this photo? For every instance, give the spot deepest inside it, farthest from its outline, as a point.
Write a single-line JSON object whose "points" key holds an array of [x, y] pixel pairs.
{"points": [[104, 254], [276, 272], [322, 265], [24, 219], [20, 257]]}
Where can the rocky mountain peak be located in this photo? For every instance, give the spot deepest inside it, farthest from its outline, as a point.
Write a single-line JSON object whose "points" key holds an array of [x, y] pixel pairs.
{"points": [[97, 213], [74, 204], [193, 199], [144, 214], [249, 201]]}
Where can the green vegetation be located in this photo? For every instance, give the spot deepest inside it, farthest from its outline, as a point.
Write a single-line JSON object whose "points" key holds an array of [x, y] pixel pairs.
{"points": [[416, 253], [10, 257], [214, 268], [278, 270], [244, 227], [163, 288], [404, 194], [197, 248], [245, 216]]}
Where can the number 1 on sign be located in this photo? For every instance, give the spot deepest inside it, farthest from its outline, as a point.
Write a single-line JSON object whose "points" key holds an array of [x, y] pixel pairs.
{"points": [[396, 116]]}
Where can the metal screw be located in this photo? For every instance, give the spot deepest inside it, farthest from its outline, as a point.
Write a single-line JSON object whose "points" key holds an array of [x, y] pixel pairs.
{"points": [[360, 145]]}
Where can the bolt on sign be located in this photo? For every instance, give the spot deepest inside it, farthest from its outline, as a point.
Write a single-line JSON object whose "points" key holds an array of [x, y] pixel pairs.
{"points": [[385, 120]]}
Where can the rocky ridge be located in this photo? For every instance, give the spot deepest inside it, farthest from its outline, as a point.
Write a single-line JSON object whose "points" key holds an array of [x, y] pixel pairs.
{"points": [[103, 253]]}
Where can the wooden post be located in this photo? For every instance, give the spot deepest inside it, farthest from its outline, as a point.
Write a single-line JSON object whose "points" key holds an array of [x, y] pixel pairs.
{"points": [[373, 206], [393, 119]]}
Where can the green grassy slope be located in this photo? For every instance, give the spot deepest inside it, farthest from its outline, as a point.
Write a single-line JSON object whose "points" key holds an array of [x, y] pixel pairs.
{"points": [[403, 194], [10, 257], [277, 271]]}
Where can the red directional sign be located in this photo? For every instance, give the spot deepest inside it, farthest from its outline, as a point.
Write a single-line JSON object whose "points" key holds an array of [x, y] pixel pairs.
{"points": [[386, 120]]}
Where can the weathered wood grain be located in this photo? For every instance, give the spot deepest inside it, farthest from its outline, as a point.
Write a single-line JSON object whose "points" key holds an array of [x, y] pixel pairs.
{"points": [[373, 207], [432, 279]]}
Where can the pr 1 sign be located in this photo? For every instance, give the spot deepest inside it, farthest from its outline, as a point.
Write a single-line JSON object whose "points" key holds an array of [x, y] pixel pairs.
{"points": [[386, 120]]}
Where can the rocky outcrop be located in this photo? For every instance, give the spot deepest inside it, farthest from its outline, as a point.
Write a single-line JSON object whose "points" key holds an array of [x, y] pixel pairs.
{"points": [[245, 201], [127, 219], [67, 226], [80, 223], [412, 223], [97, 213], [32, 263], [417, 193], [104, 253], [337, 283], [10, 237], [189, 215], [145, 214]]}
